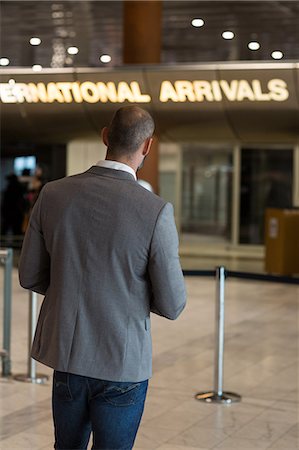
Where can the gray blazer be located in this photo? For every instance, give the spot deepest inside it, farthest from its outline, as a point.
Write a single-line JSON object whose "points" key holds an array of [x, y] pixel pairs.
{"points": [[104, 252]]}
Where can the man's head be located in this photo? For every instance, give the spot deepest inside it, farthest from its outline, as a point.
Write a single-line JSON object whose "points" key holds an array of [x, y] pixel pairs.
{"points": [[129, 134]]}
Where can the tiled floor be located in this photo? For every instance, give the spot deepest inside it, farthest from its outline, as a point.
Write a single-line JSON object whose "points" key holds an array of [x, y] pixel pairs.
{"points": [[261, 364]]}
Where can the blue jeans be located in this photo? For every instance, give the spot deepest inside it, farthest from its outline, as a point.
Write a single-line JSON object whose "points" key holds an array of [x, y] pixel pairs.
{"points": [[110, 410]]}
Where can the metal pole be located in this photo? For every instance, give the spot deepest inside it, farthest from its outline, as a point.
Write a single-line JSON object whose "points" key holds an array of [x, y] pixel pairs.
{"points": [[31, 330], [32, 376], [217, 395], [219, 353], [7, 258]]}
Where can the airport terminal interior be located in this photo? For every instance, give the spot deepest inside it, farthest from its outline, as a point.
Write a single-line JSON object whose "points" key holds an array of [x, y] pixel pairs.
{"points": [[221, 80]]}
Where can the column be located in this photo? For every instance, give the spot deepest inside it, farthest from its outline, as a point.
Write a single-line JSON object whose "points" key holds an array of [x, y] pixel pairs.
{"points": [[150, 170], [142, 45], [142, 32]]}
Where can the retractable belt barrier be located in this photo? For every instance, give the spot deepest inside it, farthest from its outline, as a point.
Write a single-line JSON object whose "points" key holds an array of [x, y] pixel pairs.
{"points": [[6, 260], [245, 276], [217, 395]]}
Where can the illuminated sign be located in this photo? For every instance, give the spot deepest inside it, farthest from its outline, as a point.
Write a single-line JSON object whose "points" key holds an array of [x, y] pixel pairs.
{"points": [[68, 92], [216, 91], [179, 91]]}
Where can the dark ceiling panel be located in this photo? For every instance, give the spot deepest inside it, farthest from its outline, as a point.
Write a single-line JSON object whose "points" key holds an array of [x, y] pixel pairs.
{"points": [[95, 27]]}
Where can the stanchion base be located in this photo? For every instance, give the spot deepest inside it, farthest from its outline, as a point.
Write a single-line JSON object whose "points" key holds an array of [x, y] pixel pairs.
{"points": [[38, 379], [212, 397]]}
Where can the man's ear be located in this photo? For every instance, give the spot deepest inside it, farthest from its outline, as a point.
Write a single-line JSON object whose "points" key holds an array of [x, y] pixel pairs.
{"points": [[104, 135], [147, 146]]}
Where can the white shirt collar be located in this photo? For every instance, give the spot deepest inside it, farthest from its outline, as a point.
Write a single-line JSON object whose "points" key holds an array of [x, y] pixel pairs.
{"points": [[108, 164]]}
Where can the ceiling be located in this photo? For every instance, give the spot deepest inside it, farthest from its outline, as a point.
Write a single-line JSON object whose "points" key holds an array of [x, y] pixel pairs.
{"points": [[95, 27]]}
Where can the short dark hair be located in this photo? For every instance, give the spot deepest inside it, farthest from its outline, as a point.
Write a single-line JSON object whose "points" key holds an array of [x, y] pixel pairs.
{"points": [[129, 128]]}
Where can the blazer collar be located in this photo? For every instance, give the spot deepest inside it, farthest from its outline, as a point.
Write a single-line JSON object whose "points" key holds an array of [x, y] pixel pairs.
{"points": [[111, 173]]}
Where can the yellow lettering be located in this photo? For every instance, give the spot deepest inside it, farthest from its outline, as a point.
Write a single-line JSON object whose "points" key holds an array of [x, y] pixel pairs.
{"points": [[139, 97], [107, 92], [203, 90], [38, 92], [77, 93], [259, 94], [176, 91], [124, 92], [168, 92], [278, 90], [66, 91], [21, 92], [89, 92], [6, 93], [54, 93], [244, 91], [185, 90], [216, 90], [230, 90]]}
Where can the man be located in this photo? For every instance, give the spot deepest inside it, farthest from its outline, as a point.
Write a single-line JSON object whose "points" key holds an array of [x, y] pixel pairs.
{"points": [[104, 252]]}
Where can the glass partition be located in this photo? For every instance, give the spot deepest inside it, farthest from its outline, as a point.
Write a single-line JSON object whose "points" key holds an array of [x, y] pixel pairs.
{"points": [[266, 182], [206, 193]]}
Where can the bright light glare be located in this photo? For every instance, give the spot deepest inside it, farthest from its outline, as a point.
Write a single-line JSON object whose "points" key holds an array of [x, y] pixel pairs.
{"points": [[12, 81], [105, 58], [277, 54], [24, 162], [35, 41], [228, 35], [254, 45], [37, 67], [4, 61], [72, 50], [198, 22]]}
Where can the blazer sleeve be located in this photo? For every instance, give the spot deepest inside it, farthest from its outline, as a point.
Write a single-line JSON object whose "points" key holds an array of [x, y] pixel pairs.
{"points": [[34, 264], [168, 287]]}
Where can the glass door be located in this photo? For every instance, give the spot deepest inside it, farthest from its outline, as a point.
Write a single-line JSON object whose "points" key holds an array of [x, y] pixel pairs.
{"points": [[206, 193], [266, 182]]}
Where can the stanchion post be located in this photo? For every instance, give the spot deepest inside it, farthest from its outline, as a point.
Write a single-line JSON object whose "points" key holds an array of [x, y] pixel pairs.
{"points": [[7, 258], [32, 376], [217, 395], [31, 330], [219, 344]]}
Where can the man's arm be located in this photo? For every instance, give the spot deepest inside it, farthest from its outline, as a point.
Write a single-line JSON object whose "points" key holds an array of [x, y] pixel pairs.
{"points": [[34, 264], [169, 295]]}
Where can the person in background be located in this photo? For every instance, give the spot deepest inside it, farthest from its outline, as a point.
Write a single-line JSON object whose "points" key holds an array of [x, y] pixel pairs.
{"points": [[13, 206], [104, 252], [34, 185]]}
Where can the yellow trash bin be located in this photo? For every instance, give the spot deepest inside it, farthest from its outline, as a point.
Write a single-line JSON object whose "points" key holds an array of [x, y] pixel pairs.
{"points": [[282, 241]]}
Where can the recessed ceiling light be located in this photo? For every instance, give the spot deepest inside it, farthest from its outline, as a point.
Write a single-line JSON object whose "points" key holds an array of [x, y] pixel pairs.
{"points": [[105, 58], [37, 67], [277, 54], [4, 61], [72, 50], [57, 14], [197, 22], [228, 35], [56, 6], [35, 41], [254, 45]]}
